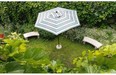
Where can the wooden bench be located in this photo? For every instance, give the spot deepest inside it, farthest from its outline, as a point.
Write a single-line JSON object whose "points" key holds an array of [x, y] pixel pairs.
{"points": [[93, 42], [30, 34]]}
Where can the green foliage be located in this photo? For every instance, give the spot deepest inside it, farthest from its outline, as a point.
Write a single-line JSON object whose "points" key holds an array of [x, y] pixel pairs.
{"points": [[14, 45], [97, 61], [105, 36], [46, 34], [34, 55], [13, 67], [16, 14], [92, 69], [75, 34], [2, 68], [56, 67], [18, 59], [26, 28], [1, 29], [34, 60], [109, 49]]}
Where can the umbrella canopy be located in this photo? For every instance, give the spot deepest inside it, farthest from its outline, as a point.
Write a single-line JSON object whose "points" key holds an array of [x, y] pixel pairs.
{"points": [[57, 20]]}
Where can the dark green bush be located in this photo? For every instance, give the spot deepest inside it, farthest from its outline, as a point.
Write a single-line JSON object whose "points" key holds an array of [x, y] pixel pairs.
{"points": [[1, 29], [26, 28], [46, 35], [99, 14], [75, 34]]}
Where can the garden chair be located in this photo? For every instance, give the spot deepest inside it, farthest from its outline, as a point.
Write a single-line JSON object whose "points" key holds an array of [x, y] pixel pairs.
{"points": [[92, 42]]}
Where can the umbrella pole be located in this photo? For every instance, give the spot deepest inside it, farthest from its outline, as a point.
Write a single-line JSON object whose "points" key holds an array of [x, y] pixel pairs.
{"points": [[58, 40], [58, 46]]}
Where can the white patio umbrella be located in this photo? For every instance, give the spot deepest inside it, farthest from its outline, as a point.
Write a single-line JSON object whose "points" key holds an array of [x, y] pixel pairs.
{"points": [[57, 21]]}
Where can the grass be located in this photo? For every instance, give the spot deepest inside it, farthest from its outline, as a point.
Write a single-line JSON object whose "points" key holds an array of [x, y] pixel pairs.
{"points": [[66, 55]]}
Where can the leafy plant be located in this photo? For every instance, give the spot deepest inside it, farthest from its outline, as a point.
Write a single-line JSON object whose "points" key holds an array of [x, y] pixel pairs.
{"points": [[14, 45], [56, 67], [93, 69], [2, 68], [97, 61], [13, 67], [33, 60]]}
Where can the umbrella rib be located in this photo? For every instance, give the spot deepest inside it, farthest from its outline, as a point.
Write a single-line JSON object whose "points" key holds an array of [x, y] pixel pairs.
{"points": [[77, 17]]}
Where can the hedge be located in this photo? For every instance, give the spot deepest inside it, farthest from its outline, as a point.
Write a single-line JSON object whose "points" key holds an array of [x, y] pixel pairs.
{"points": [[99, 14]]}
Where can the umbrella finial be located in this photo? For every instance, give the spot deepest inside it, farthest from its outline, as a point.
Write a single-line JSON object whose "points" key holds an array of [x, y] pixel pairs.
{"points": [[56, 11], [56, 14]]}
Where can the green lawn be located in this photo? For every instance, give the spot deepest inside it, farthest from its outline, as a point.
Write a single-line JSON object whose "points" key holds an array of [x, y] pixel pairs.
{"points": [[69, 51]]}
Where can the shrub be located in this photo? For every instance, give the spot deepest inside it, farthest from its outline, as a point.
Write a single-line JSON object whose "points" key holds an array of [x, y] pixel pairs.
{"points": [[102, 60], [2, 68], [75, 34], [14, 45], [16, 58], [99, 14], [46, 34], [1, 29], [105, 36], [56, 67], [26, 28]]}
